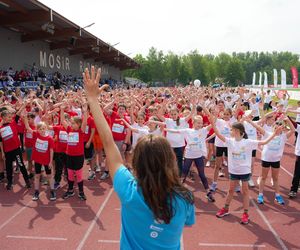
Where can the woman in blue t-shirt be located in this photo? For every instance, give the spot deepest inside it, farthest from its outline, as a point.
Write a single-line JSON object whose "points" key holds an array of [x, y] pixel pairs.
{"points": [[155, 205]]}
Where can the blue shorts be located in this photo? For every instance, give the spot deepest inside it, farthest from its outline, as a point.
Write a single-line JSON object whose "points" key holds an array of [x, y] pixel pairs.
{"points": [[239, 177]]}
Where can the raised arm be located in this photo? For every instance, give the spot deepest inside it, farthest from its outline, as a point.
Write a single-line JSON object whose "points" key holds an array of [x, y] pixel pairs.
{"points": [[114, 159]]}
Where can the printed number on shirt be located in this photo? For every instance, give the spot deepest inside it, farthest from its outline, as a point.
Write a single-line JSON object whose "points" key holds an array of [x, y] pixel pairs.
{"points": [[239, 156], [73, 138], [117, 128], [274, 145], [41, 146], [63, 136], [6, 132]]}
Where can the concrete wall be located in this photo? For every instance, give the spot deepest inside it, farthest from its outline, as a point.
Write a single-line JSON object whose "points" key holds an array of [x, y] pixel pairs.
{"points": [[14, 53]]}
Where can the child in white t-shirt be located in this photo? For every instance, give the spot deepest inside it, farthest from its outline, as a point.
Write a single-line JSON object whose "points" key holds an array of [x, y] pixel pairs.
{"points": [[271, 156], [239, 164], [195, 151]]}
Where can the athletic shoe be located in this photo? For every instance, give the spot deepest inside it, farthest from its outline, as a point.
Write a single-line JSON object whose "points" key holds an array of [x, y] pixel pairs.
{"points": [[92, 175], [56, 185], [237, 189], [258, 180], [279, 199], [52, 195], [223, 212], [292, 194], [82, 196], [31, 175], [9, 187], [207, 164], [36, 196], [213, 187], [272, 182], [221, 173], [210, 197], [225, 163], [260, 199], [68, 194], [98, 169], [251, 183], [105, 175], [213, 158], [245, 219]]}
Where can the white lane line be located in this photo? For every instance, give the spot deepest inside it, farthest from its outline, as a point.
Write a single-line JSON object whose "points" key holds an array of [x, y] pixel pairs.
{"points": [[275, 234], [15, 215], [215, 211], [181, 242], [33, 237], [88, 232], [230, 245], [109, 241], [19, 212], [61, 206]]}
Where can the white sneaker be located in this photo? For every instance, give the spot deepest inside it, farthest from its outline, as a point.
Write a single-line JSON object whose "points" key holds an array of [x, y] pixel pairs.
{"points": [[104, 176], [251, 183], [237, 189], [97, 169], [207, 164], [221, 173], [272, 182], [225, 163]]}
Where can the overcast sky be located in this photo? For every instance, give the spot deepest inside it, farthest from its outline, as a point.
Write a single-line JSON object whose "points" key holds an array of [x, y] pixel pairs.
{"points": [[210, 26]]}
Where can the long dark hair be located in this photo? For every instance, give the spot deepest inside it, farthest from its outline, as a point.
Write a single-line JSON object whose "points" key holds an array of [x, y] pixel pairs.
{"points": [[157, 176]]}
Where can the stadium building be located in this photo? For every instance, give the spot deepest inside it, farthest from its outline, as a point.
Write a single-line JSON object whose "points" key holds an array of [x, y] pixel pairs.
{"points": [[31, 34]]}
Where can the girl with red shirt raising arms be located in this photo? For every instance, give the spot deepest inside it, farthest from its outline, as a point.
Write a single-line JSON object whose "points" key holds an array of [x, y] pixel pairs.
{"points": [[10, 147], [75, 151]]}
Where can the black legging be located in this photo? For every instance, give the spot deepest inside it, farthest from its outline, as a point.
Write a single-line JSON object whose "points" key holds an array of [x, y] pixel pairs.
{"points": [[179, 158], [200, 168], [14, 155], [60, 164]]}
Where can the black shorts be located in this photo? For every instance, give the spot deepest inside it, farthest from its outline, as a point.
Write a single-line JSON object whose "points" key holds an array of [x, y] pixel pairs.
{"points": [[38, 168], [256, 118], [89, 152], [253, 153], [212, 140], [239, 177], [220, 151], [267, 164], [75, 162]]}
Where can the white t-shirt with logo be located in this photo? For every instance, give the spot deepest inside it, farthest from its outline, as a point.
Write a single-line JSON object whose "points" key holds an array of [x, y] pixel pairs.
{"points": [[273, 151], [240, 155], [195, 139], [176, 139], [224, 129]]}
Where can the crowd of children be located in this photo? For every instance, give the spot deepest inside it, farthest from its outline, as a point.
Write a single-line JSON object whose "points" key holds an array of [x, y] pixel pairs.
{"points": [[55, 133]]}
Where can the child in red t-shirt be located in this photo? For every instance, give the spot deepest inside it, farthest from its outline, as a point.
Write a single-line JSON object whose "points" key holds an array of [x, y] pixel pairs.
{"points": [[10, 147], [42, 155], [75, 151]]}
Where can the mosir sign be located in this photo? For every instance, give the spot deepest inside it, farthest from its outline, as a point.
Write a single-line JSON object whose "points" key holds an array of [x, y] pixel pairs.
{"points": [[58, 62], [54, 61]]}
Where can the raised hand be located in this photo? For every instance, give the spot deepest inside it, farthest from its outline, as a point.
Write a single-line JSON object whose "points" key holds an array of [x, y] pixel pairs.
{"points": [[91, 83]]}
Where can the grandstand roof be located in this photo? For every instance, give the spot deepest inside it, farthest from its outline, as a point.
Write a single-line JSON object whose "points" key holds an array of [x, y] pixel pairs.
{"points": [[35, 21]]}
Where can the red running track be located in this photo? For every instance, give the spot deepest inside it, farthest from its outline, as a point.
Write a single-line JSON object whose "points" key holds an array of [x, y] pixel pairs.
{"points": [[95, 223]]}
